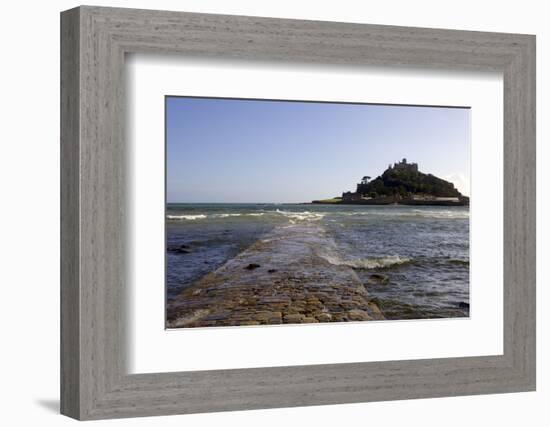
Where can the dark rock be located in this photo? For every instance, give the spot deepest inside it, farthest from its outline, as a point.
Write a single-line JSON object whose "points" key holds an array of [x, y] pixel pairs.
{"points": [[181, 249], [271, 270], [459, 262], [463, 305], [379, 279], [252, 266]]}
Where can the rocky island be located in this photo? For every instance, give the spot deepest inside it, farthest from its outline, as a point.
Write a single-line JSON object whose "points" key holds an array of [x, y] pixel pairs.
{"points": [[402, 184]]}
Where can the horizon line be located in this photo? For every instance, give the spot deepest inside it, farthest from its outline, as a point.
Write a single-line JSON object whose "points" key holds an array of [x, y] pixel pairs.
{"points": [[239, 203]]}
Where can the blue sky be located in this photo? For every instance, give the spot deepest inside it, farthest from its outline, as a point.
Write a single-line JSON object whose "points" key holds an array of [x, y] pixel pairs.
{"points": [[222, 150]]}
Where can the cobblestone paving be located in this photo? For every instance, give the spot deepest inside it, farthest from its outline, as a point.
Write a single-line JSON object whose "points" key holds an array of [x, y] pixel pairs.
{"points": [[280, 279]]}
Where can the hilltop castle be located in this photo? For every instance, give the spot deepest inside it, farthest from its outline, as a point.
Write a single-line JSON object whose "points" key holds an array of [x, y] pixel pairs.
{"points": [[403, 165]]}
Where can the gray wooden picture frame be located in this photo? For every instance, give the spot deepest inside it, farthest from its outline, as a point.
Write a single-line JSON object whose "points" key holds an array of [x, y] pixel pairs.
{"points": [[94, 382]]}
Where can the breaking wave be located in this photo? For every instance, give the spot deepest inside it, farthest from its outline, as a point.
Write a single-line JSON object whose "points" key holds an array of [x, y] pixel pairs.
{"points": [[437, 214], [464, 214], [203, 216], [367, 263], [226, 215], [301, 216], [186, 217]]}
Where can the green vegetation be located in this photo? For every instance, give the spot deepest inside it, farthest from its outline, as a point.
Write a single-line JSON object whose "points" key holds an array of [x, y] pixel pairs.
{"points": [[405, 182], [329, 201]]}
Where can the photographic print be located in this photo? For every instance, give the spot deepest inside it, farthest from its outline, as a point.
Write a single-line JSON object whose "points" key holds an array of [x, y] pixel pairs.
{"points": [[300, 212]]}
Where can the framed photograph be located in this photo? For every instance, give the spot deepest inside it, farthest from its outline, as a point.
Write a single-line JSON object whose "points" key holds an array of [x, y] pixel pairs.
{"points": [[262, 213], [248, 244]]}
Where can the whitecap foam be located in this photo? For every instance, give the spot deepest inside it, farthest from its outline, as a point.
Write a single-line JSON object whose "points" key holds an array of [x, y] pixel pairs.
{"points": [[226, 215], [419, 213], [367, 263], [231, 215], [186, 217], [459, 214], [301, 216]]}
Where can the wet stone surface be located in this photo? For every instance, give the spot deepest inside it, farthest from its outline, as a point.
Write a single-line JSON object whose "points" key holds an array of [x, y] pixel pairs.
{"points": [[289, 282]]}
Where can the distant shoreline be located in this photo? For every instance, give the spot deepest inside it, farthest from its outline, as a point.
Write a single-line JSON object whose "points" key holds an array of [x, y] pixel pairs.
{"points": [[400, 202]]}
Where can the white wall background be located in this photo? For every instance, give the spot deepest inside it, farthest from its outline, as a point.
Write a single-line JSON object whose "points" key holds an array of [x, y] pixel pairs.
{"points": [[29, 224]]}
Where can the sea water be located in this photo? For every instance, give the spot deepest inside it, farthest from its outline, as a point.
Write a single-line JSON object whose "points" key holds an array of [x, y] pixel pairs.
{"points": [[413, 260]]}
